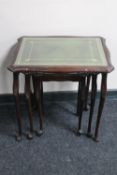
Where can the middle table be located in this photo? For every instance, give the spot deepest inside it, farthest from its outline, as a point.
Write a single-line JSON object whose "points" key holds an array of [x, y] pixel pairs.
{"points": [[61, 59]]}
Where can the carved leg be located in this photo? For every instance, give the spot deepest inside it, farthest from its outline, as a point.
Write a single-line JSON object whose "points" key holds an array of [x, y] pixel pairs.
{"points": [[87, 92], [82, 98], [28, 97], [17, 103], [101, 104], [39, 104], [93, 96]]}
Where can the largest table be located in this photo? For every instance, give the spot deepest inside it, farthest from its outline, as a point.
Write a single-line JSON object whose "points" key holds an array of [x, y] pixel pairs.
{"points": [[62, 58]]}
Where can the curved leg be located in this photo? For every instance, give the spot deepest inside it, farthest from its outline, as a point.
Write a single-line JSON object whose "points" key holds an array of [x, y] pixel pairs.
{"points": [[101, 104], [39, 103], [87, 92], [17, 103], [93, 96], [28, 97], [82, 98]]}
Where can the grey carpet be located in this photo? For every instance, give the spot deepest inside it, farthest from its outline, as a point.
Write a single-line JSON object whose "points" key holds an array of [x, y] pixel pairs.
{"points": [[59, 151]]}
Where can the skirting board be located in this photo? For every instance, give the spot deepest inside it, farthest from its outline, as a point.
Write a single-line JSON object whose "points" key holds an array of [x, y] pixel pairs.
{"points": [[52, 96]]}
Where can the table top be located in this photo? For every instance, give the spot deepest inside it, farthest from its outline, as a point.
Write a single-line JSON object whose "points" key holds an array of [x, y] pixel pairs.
{"points": [[64, 54]]}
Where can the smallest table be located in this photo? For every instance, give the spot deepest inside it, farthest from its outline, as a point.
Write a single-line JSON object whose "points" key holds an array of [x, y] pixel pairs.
{"points": [[60, 59]]}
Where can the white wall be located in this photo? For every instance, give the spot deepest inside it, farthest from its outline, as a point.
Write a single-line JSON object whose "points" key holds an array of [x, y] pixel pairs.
{"points": [[55, 17]]}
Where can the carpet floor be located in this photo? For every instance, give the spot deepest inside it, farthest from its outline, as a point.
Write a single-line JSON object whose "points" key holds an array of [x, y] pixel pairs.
{"points": [[59, 151]]}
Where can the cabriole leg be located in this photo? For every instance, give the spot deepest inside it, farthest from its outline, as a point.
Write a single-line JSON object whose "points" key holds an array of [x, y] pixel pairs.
{"points": [[87, 92], [101, 104], [38, 93], [29, 104], [17, 104], [93, 96], [78, 99], [81, 102]]}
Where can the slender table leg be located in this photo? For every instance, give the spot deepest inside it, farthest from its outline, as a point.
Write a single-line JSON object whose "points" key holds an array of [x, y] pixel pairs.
{"points": [[87, 92], [78, 99], [87, 83], [17, 103], [93, 96], [28, 97], [82, 98], [101, 104], [38, 94], [34, 94], [41, 91]]}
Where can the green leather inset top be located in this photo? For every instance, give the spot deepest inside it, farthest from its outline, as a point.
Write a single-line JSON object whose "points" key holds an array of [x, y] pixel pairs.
{"points": [[63, 51]]}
